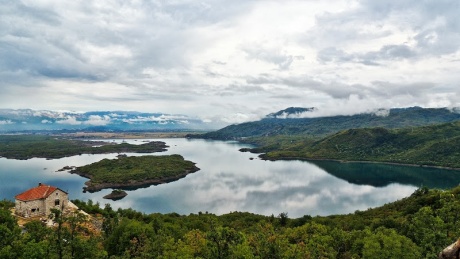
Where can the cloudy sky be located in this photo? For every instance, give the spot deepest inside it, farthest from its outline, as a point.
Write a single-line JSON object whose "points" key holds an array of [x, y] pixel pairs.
{"points": [[229, 61]]}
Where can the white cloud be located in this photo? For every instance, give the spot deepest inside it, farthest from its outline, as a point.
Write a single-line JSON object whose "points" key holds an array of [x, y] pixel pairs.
{"points": [[96, 120], [211, 59], [70, 120], [6, 122], [239, 118], [382, 112]]}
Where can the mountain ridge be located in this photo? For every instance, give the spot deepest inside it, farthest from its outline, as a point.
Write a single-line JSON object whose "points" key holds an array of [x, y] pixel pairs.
{"points": [[323, 126]]}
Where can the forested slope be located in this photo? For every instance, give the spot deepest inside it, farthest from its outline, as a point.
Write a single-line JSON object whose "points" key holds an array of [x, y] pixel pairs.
{"points": [[435, 145], [419, 226], [323, 126]]}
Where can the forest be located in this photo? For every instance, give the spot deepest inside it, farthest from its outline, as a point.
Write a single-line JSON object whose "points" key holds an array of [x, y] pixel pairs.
{"points": [[319, 127], [418, 226], [433, 145]]}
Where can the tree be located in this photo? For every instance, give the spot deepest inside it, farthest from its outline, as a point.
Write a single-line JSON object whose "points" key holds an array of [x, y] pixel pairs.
{"points": [[283, 216], [129, 237], [222, 240], [56, 215], [74, 223], [386, 243], [9, 233], [428, 231]]}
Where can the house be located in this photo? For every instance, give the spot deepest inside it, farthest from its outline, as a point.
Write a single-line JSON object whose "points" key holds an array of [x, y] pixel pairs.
{"points": [[39, 201]]}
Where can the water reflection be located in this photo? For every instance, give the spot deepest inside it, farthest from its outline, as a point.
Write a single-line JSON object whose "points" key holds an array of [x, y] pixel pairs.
{"points": [[228, 181], [381, 175]]}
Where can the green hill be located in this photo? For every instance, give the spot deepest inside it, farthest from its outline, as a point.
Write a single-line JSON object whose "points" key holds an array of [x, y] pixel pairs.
{"points": [[434, 145], [272, 125]]}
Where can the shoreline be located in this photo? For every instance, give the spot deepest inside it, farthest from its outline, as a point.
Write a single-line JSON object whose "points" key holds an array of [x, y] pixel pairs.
{"points": [[79, 147], [261, 156], [128, 135], [131, 185]]}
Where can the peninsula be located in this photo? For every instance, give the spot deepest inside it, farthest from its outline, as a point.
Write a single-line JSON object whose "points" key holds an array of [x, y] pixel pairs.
{"points": [[24, 147]]}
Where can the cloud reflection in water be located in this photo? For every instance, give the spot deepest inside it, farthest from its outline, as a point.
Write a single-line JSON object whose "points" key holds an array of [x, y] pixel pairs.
{"points": [[229, 181]]}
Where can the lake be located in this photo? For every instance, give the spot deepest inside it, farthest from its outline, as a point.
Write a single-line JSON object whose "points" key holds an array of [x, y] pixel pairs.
{"points": [[230, 180]]}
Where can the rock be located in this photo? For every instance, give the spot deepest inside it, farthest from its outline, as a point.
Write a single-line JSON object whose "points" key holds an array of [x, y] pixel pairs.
{"points": [[451, 252], [116, 195], [66, 168]]}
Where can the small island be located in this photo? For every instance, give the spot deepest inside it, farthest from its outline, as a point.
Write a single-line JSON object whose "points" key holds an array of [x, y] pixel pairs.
{"points": [[116, 195], [133, 172]]}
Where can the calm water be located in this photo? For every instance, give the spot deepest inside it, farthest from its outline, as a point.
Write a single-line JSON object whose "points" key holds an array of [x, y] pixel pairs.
{"points": [[230, 181]]}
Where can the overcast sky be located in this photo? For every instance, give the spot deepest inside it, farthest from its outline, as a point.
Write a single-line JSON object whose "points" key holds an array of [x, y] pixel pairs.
{"points": [[229, 61]]}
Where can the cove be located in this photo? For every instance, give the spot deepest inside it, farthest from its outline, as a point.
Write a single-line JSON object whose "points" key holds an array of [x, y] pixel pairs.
{"points": [[230, 180]]}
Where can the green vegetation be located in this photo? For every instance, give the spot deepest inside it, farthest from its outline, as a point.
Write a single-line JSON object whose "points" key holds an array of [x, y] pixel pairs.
{"points": [[135, 171], [435, 145], [323, 126], [419, 226], [29, 146]]}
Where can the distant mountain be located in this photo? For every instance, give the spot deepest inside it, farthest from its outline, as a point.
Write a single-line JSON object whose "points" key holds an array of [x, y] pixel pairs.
{"points": [[278, 124], [291, 113], [44, 120]]}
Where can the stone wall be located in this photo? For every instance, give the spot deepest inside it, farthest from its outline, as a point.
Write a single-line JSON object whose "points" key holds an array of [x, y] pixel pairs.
{"points": [[51, 201], [30, 208]]}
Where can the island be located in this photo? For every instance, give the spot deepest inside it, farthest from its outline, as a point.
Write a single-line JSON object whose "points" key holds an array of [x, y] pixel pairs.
{"points": [[116, 195], [133, 172], [24, 147]]}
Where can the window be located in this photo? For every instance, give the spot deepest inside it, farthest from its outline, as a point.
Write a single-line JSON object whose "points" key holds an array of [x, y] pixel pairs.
{"points": [[56, 202], [33, 210]]}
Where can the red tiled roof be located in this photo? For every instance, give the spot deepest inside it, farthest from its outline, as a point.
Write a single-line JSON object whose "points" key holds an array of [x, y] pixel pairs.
{"points": [[42, 191]]}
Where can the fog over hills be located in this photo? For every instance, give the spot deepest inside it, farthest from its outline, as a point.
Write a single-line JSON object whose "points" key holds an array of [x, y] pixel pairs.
{"points": [[43, 120], [292, 120], [295, 121]]}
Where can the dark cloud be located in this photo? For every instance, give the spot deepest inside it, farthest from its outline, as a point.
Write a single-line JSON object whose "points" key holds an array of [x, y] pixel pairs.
{"points": [[372, 58], [434, 26], [376, 89], [34, 14], [389, 89], [334, 89]]}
